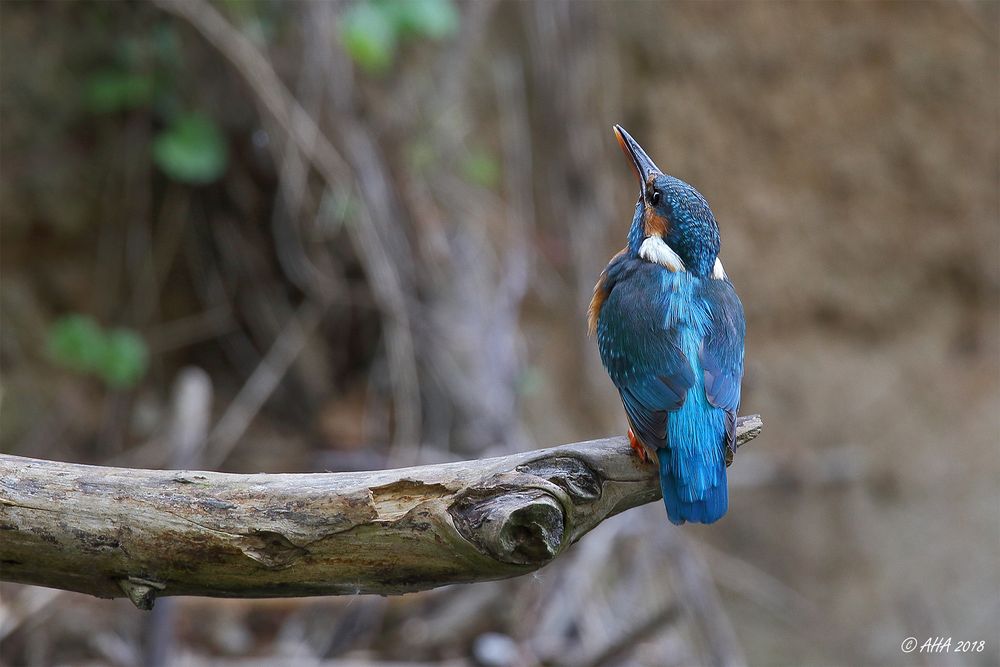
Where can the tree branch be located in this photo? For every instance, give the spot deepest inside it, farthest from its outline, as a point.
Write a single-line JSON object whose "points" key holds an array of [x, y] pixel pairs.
{"points": [[114, 532]]}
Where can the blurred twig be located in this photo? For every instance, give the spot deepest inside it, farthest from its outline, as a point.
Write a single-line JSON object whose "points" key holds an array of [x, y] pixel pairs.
{"points": [[213, 322], [701, 600], [627, 641], [739, 576], [262, 383], [27, 606]]}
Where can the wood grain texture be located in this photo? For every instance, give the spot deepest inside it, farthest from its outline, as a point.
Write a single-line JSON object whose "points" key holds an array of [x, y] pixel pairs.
{"points": [[114, 532]]}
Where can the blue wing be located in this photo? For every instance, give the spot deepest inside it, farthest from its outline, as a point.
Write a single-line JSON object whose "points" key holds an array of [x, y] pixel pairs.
{"points": [[721, 352], [642, 356]]}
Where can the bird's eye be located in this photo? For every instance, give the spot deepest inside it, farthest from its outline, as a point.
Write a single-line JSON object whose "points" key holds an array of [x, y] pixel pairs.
{"points": [[654, 197]]}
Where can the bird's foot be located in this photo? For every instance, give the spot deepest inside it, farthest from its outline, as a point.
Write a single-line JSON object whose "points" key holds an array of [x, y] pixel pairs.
{"points": [[637, 447]]}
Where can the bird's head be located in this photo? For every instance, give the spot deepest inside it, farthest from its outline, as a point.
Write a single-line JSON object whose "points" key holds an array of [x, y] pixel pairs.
{"points": [[673, 224]]}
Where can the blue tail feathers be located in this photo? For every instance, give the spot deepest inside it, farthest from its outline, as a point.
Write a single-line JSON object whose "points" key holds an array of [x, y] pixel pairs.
{"points": [[709, 508]]}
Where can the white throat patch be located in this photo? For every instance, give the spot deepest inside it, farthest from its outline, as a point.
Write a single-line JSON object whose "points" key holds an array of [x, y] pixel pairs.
{"points": [[718, 272], [654, 249]]}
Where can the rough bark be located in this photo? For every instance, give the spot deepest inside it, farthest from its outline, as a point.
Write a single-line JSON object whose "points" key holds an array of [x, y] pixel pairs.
{"points": [[115, 532]]}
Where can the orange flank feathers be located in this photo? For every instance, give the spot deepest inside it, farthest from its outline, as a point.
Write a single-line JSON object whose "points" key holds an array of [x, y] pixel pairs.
{"points": [[600, 296], [596, 303]]}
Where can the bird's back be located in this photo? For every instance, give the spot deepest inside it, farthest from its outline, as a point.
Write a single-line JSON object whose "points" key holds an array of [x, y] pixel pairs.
{"points": [[669, 342], [692, 464]]}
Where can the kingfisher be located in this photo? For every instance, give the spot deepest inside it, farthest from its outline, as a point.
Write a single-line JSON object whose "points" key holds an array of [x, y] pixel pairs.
{"points": [[670, 330]]}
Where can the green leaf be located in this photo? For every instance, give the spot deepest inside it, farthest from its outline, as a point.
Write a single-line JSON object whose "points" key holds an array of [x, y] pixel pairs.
{"points": [[434, 19], [192, 150], [481, 168], [111, 90], [125, 359], [369, 35], [76, 342]]}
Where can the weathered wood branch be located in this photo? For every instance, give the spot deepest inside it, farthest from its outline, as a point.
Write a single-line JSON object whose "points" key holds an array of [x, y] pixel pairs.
{"points": [[111, 532]]}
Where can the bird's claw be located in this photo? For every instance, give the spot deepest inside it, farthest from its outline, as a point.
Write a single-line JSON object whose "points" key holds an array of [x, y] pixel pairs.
{"points": [[637, 447]]}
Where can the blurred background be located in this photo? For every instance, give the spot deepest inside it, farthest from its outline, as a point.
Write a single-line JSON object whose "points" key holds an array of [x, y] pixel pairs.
{"points": [[252, 235]]}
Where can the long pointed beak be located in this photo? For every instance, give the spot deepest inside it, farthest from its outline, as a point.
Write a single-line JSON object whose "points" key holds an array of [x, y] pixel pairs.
{"points": [[644, 165]]}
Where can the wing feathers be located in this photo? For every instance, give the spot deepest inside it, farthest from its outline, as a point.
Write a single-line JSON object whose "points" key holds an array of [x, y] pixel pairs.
{"points": [[721, 354]]}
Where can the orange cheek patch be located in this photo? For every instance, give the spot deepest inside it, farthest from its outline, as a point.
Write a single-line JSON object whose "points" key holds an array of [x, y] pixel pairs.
{"points": [[654, 224]]}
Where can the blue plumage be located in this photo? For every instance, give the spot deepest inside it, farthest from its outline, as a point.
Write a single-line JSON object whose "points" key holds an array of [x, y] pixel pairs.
{"points": [[670, 330]]}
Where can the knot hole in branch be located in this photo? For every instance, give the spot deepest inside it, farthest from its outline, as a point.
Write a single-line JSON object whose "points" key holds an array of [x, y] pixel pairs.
{"points": [[526, 526], [516, 527]]}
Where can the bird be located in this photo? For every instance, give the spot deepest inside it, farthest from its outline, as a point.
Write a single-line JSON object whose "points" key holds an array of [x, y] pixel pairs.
{"points": [[670, 329]]}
